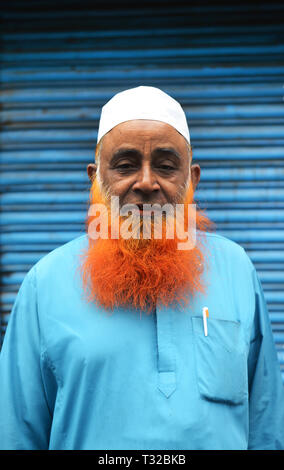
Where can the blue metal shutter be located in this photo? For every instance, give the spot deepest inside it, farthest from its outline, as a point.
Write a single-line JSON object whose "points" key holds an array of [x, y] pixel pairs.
{"points": [[223, 62]]}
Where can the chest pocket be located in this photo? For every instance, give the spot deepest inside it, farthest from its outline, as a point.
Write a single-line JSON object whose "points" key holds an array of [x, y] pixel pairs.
{"points": [[221, 362]]}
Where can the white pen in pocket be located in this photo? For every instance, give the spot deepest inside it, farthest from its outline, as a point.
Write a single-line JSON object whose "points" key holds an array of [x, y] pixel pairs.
{"points": [[205, 313]]}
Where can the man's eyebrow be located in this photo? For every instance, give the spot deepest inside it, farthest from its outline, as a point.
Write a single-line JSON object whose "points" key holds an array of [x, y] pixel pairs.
{"points": [[129, 151], [167, 150], [125, 152]]}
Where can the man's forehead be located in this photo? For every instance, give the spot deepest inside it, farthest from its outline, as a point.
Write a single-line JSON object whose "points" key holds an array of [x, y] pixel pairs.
{"points": [[143, 133]]}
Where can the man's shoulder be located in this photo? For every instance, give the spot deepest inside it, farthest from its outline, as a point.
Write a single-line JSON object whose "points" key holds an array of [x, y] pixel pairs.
{"points": [[217, 240], [62, 257], [228, 249]]}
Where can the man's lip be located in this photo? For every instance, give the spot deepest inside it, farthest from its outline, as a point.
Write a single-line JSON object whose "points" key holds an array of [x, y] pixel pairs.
{"points": [[141, 204], [148, 209]]}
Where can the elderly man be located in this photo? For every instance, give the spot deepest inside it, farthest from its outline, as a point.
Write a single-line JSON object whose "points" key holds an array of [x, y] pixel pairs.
{"points": [[128, 342]]}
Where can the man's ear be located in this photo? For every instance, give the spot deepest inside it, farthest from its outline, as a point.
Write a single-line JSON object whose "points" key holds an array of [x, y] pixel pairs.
{"points": [[195, 175], [91, 170]]}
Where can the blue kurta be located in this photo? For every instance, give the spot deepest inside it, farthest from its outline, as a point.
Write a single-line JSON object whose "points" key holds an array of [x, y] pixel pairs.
{"points": [[75, 377]]}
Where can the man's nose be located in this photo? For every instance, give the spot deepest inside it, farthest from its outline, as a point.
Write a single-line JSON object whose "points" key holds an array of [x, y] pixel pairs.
{"points": [[146, 181]]}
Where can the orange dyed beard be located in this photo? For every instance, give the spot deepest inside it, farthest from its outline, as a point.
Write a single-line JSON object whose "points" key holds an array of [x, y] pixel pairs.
{"points": [[140, 272]]}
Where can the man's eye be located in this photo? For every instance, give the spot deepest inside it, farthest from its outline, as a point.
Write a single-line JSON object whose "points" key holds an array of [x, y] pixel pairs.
{"points": [[166, 167], [125, 166]]}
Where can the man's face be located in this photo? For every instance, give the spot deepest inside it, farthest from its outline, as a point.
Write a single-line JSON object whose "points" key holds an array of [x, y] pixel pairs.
{"points": [[144, 161]]}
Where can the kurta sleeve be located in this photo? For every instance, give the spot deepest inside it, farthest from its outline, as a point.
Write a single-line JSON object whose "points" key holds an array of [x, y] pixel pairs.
{"points": [[266, 391], [25, 418]]}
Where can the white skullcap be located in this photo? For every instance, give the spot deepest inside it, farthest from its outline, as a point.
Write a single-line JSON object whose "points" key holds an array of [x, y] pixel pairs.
{"points": [[143, 102]]}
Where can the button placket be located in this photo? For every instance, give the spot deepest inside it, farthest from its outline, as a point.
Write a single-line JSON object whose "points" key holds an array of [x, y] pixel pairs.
{"points": [[166, 351]]}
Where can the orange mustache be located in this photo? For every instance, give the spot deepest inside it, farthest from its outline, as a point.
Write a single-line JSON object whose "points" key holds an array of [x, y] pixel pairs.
{"points": [[138, 273]]}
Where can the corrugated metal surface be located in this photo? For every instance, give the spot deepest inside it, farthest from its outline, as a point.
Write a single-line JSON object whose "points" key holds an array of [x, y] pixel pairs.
{"points": [[224, 62]]}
